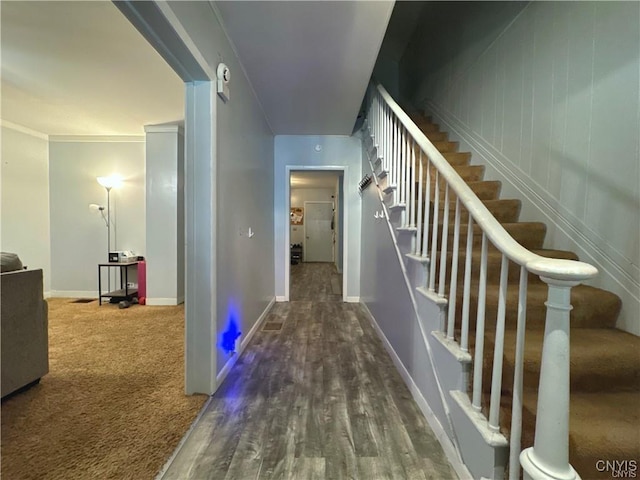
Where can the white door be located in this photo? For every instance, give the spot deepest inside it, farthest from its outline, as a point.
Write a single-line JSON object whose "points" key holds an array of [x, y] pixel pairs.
{"points": [[318, 232]]}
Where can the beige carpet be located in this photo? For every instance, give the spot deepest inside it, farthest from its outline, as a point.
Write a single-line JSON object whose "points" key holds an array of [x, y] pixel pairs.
{"points": [[113, 403]]}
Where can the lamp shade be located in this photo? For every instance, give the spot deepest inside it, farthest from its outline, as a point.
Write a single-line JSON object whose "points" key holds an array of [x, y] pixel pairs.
{"points": [[112, 181]]}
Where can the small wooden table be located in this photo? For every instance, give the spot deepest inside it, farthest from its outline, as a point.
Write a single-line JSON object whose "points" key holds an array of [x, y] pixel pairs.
{"points": [[124, 293]]}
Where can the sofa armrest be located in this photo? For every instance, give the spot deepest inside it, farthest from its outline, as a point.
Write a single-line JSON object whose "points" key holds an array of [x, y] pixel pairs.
{"points": [[24, 329]]}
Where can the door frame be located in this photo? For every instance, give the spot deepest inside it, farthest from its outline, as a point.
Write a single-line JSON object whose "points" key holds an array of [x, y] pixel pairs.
{"points": [[287, 231], [304, 230]]}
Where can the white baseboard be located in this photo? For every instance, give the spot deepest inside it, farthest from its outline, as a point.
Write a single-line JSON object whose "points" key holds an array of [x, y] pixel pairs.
{"points": [[245, 340], [352, 299], [281, 298], [164, 302], [47, 294], [73, 294], [446, 443]]}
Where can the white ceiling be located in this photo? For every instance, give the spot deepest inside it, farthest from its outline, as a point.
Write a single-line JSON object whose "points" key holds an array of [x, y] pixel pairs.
{"points": [[309, 61], [80, 68]]}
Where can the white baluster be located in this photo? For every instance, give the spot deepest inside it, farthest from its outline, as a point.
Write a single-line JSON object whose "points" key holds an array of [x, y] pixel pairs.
{"points": [[420, 204], [381, 142], [496, 378], [427, 210], [406, 176], [466, 294], [479, 355], [387, 142], [407, 192], [392, 150], [453, 284], [403, 166], [434, 234], [412, 195], [373, 119], [516, 405], [396, 157], [377, 117], [398, 198], [444, 243]]}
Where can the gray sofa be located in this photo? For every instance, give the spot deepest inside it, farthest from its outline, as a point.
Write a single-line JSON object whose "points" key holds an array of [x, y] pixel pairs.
{"points": [[24, 330]]}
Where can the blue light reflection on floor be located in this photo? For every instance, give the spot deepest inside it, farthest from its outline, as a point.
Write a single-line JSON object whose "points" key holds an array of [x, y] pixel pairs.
{"points": [[231, 331]]}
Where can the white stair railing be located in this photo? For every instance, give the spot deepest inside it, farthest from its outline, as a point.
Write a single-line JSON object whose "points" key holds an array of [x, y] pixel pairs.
{"points": [[407, 154]]}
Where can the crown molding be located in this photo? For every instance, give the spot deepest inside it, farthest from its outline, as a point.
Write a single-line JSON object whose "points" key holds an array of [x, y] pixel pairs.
{"points": [[22, 129], [97, 138]]}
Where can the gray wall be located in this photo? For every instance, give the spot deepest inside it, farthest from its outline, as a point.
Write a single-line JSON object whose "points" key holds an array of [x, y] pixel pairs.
{"points": [[244, 158], [548, 96], [335, 151], [78, 235], [24, 220], [448, 40]]}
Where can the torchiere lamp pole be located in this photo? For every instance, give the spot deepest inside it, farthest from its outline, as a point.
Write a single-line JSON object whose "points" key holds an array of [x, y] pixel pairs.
{"points": [[108, 183]]}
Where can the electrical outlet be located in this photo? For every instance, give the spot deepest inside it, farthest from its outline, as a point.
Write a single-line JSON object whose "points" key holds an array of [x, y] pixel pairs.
{"points": [[131, 285]]}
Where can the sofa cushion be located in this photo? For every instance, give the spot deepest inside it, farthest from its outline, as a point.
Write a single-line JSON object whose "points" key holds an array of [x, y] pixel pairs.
{"points": [[9, 262]]}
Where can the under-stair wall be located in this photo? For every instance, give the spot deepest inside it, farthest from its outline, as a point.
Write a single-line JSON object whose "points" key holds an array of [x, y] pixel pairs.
{"points": [[408, 324], [548, 99]]}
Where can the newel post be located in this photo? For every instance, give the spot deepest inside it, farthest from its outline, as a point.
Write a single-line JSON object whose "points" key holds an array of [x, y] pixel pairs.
{"points": [[549, 456]]}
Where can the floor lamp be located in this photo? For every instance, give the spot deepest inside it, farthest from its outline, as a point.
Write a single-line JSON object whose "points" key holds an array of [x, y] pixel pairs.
{"points": [[112, 181]]}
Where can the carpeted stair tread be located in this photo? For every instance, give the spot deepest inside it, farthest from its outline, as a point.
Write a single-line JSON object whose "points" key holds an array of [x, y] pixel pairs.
{"points": [[415, 115], [504, 210], [436, 136], [426, 126], [446, 146], [484, 190], [602, 426], [457, 158], [595, 365], [528, 234], [592, 307], [469, 173]]}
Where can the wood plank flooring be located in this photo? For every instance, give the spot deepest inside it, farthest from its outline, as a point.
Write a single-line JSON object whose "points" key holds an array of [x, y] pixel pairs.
{"points": [[317, 399]]}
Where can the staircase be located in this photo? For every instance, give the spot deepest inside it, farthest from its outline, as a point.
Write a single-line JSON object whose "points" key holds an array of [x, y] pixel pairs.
{"points": [[604, 418], [605, 366]]}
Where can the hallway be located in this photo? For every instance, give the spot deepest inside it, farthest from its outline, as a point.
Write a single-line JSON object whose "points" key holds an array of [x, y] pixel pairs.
{"points": [[314, 396]]}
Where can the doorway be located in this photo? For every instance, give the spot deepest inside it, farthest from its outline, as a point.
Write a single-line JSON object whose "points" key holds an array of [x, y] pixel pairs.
{"points": [[315, 234]]}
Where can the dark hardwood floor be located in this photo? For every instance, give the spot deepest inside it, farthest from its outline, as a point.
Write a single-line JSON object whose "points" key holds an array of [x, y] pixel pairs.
{"points": [[313, 396], [318, 282]]}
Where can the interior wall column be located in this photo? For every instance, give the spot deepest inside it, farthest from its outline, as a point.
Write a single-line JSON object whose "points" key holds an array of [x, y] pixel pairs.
{"points": [[165, 214], [200, 238]]}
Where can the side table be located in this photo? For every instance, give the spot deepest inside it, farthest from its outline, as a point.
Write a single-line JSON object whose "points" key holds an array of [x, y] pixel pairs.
{"points": [[124, 293]]}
